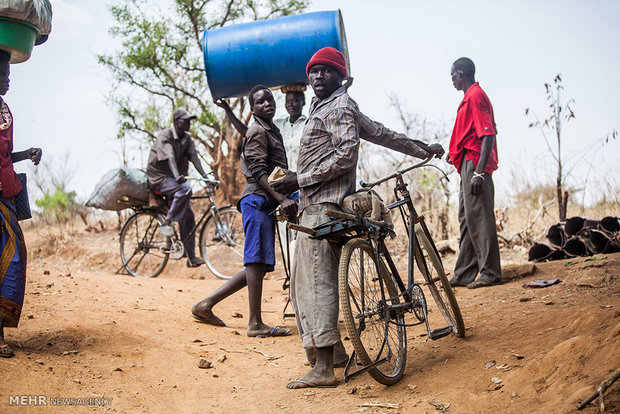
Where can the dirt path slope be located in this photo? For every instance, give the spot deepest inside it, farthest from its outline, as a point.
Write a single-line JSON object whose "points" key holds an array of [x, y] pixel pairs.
{"points": [[88, 333]]}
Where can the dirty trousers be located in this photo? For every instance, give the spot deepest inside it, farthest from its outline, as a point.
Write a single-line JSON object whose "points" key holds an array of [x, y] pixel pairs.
{"points": [[478, 248], [180, 211], [314, 283]]}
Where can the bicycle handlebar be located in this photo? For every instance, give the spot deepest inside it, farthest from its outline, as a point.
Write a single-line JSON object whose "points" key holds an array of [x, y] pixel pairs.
{"points": [[397, 173], [204, 181]]}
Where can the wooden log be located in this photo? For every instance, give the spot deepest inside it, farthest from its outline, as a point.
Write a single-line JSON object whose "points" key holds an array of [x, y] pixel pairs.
{"points": [[600, 390]]}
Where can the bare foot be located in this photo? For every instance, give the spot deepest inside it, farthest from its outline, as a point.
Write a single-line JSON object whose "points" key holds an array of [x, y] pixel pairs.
{"points": [[5, 350], [482, 283], [264, 331], [315, 378], [206, 315]]}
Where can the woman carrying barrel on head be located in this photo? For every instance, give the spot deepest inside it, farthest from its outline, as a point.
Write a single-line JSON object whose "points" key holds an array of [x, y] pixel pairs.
{"points": [[262, 151]]}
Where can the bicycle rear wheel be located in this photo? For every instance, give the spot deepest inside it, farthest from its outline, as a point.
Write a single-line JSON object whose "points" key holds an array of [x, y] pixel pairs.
{"points": [[221, 243], [144, 248], [437, 282], [367, 316]]}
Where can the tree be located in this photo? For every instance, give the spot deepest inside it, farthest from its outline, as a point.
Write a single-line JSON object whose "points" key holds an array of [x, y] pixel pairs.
{"points": [[160, 67], [560, 114], [430, 187]]}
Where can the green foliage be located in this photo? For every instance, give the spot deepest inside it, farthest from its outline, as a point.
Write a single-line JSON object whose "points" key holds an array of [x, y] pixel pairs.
{"points": [[159, 65], [57, 205], [429, 180]]}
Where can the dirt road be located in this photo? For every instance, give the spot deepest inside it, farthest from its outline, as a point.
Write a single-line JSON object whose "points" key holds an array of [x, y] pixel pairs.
{"points": [[88, 333]]}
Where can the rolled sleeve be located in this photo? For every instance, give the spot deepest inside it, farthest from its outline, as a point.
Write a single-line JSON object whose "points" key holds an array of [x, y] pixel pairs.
{"points": [[377, 133], [256, 151], [482, 117], [164, 148]]}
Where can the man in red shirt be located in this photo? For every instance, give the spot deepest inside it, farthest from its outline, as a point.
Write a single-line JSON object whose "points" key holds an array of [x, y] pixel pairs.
{"points": [[473, 152]]}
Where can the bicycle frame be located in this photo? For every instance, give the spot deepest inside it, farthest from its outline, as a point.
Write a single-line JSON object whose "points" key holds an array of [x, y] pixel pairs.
{"points": [[212, 210], [376, 237]]}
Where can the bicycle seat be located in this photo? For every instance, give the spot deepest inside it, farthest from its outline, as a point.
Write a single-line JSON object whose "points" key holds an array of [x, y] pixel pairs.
{"points": [[156, 198]]}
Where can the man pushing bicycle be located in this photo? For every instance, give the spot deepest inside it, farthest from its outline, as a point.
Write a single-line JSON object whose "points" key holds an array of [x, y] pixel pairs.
{"points": [[328, 156], [167, 167]]}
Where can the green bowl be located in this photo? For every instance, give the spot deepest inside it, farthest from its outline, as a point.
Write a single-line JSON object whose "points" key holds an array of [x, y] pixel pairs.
{"points": [[18, 38]]}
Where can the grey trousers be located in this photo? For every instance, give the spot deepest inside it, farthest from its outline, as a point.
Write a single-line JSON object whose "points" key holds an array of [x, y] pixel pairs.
{"points": [[180, 211], [478, 248], [314, 283]]}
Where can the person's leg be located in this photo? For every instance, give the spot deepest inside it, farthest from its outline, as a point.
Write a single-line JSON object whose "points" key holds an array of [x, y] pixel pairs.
{"points": [[13, 280], [466, 267], [203, 310], [186, 225], [481, 217], [315, 298], [340, 355], [181, 211], [256, 327], [180, 194], [5, 350], [321, 375]]}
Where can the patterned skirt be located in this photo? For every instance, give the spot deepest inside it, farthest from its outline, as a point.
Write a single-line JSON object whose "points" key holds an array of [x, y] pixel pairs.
{"points": [[12, 265]]}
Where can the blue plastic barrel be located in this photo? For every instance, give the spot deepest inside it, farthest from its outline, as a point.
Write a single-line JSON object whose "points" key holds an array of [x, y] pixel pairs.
{"points": [[271, 52]]}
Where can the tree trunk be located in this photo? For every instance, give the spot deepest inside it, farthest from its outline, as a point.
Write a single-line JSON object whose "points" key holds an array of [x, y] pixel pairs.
{"points": [[225, 165]]}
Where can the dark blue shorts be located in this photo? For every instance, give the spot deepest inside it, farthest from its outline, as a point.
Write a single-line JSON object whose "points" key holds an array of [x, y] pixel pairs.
{"points": [[259, 228]]}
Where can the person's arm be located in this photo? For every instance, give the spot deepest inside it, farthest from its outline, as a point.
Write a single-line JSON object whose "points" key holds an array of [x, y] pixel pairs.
{"points": [[484, 126], [289, 207], [33, 154], [172, 164], [485, 154], [255, 153], [377, 133], [236, 122], [192, 155]]}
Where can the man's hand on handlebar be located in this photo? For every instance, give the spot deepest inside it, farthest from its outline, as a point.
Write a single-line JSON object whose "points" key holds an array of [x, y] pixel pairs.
{"points": [[180, 179], [289, 207], [436, 150]]}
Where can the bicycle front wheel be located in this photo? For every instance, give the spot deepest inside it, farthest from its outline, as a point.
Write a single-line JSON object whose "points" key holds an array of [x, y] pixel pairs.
{"points": [[144, 248], [221, 243], [437, 282], [376, 332]]}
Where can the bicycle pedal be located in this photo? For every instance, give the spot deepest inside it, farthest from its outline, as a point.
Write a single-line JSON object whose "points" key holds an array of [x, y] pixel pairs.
{"points": [[440, 333]]}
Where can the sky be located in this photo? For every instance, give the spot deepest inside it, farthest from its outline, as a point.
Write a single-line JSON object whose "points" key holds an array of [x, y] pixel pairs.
{"points": [[58, 97]]}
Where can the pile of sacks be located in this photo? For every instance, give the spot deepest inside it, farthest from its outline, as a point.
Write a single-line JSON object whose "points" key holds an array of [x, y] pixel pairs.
{"points": [[578, 236], [119, 189]]}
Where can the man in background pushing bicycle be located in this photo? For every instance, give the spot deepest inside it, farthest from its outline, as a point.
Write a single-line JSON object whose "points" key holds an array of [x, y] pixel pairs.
{"points": [[168, 165], [328, 156]]}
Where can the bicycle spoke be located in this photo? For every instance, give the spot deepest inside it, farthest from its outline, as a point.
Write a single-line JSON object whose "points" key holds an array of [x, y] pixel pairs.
{"points": [[366, 314], [222, 242], [141, 237]]}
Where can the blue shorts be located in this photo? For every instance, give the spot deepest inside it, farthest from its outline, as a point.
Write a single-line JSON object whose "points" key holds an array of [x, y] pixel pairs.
{"points": [[259, 228]]}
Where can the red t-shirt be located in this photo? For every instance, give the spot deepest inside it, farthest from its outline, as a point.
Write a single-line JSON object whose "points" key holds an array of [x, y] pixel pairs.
{"points": [[474, 120], [8, 178]]}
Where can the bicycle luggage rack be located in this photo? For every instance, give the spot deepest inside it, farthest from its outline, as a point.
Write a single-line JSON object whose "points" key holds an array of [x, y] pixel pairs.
{"points": [[342, 226]]}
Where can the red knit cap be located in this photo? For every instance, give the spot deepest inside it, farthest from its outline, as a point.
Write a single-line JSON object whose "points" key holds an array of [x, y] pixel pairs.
{"points": [[331, 57]]}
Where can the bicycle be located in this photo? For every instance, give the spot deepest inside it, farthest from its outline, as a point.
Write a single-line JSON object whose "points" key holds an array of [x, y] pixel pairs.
{"points": [[145, 249], [373, 298]]}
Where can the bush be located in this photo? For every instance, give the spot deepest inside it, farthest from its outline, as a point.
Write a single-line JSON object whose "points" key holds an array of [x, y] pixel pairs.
{"points": [[59, 206]]}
